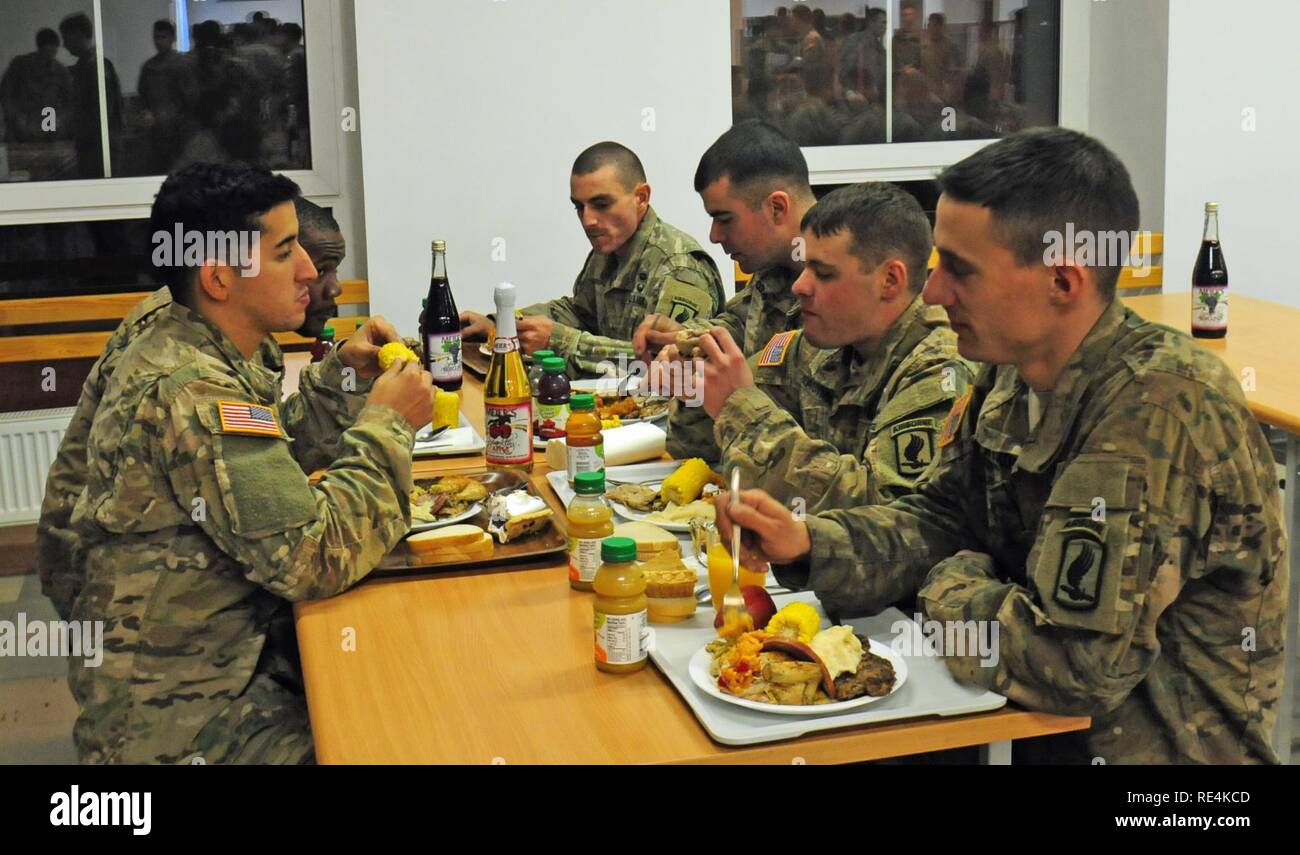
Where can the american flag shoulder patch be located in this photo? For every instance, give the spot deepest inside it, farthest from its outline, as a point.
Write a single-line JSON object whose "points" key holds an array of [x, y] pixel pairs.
{"points": [[777, 347], [248, 419]]}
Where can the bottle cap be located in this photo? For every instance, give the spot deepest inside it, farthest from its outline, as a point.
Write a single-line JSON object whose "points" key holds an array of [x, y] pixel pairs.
{"points": [[618, 549], [1210, 207], [504, 296], [439, 246], [328, 332], [589, 483], [582, 401], [540, 355], [553, 364]]}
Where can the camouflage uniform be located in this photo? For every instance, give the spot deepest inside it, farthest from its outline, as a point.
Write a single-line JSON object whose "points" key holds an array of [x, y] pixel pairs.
{"points": [[58, 554], [760, 310], [1131, 547], [198, 534], [835, 430], [665, 271]]}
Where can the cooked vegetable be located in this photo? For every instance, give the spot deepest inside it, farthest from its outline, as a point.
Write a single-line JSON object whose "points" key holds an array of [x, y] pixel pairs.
{"points": [[685, 485]]}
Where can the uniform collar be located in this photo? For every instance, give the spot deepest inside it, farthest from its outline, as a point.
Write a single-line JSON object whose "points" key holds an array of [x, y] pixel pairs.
{"points": [[842, 369], [1003, 424], [264, 374], [616, 270]]}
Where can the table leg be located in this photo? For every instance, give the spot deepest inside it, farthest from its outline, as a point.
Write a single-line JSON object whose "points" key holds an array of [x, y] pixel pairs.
{"points": [[996, 753], [1285, 710]]}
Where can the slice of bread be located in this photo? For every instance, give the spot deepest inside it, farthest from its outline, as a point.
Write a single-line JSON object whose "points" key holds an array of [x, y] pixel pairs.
{"points": [[650, 539], [451, 535], [476, 551]]}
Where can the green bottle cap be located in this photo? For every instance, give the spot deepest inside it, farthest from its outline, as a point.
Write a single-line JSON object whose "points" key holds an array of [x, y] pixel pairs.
{"points": [[328, 332], [618, 549], [553, 365], [589, 483], [539, 355], [582, 401]]}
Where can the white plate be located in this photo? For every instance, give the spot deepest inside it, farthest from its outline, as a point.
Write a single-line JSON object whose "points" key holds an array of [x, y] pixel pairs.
{"points": [[472, 510], [698, 668], [640, 516], [462, 439]]}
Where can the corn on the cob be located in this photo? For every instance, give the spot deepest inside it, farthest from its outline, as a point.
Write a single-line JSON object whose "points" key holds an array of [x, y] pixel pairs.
{"points": [[686, 484]]}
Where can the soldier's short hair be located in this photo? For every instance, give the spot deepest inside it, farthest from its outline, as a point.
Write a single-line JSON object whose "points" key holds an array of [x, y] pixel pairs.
{"points": [[314, 218], [1036, 181], [627, 166], [883, 220], [211, 198], [759, 159]]}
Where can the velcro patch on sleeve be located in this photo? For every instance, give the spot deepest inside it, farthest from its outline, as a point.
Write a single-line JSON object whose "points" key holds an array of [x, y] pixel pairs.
{"points": [[774, 352], [247, 419], [952, 423]]}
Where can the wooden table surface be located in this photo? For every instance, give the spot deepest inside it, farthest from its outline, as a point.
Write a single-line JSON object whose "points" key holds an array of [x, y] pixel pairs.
{"points": [[1262, 337], [496, 666]]}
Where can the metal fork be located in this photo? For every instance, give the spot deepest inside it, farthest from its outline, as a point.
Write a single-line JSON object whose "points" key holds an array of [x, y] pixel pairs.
{"points": [[734, 613]]}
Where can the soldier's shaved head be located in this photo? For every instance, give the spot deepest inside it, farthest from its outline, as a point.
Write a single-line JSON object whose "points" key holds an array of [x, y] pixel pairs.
{"points": [[882, 220], [758, 159], [625, 162]]}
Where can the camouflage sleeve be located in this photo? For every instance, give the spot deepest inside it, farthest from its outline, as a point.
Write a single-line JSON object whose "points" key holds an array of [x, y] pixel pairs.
{"points": [[1139, 513], [866, 558], [327, 403], [250, 496], [690, 433], [688, 291], [58, 546]]}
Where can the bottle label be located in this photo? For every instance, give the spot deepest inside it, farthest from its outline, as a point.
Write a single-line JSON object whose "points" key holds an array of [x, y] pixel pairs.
{"points": [[621, 639], [584, 558], [443, 351], [1210, 307], [551, 419], [504, 345], [589, 458], [509, 433]]}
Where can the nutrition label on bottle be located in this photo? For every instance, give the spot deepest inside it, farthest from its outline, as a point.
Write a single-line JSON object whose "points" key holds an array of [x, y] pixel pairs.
{"points": [[585, 459], [620, 639], [584, 558]]}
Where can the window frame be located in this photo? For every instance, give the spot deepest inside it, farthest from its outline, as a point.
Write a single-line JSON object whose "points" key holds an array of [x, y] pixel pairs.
{"points": [[919, 161], [81, 200]]}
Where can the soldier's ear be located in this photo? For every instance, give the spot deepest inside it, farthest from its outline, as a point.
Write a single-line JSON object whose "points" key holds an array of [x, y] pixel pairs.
{"points": [[779, 201], [213, 276], [1068, 284], [642, 194], [894, 278]]}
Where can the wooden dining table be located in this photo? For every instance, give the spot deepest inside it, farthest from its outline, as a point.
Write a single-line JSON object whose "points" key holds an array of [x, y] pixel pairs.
{"points": [[495, 666]]}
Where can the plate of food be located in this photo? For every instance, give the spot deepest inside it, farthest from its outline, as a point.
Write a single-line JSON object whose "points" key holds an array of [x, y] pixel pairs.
{"points": [[672, 503], [793, 668], [446, 500], [629, 409]]}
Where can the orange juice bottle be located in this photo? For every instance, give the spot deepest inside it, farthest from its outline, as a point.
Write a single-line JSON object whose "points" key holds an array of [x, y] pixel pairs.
{"points": [[620, 619], [719, 562], [585, 445], [591, 520]]}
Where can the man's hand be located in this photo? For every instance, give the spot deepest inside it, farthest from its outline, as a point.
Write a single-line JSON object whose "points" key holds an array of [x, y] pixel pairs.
{"points": [[654, 333], [361, 351], [407, 388], [474, 327], [769, 532], [535, 332], [725, 369]]}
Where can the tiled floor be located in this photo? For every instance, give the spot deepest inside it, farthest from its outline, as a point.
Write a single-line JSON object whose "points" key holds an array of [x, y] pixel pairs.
{"points": [[37, 711]]}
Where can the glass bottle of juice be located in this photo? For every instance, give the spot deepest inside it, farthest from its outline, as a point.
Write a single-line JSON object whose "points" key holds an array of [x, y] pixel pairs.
{"points": [[585, 443], [591, 520], [621, 631], [323, 345], [552, 399], [507, 400], [718, 558]]}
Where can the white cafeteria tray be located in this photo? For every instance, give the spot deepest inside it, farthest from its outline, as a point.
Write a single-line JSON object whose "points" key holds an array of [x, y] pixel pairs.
{"points": [[929, 690], [463, 439]]}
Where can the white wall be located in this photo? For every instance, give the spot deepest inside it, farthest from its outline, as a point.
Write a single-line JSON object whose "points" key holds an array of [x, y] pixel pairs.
{"points": [[472, 113], [1129, 50], [1219, 65]]}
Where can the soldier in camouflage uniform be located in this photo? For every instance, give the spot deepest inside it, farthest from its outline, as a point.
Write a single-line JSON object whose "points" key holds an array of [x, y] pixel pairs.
{"points": [[753, 182], [638, 263], [1103, 494], [58, 558], [853, 421], [197, 521]]}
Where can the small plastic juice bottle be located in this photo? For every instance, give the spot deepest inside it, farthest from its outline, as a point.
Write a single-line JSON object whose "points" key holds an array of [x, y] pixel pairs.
{"points": [[535, 377], [591, 520], [552, 399], [619, 607], [583, 440]]}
